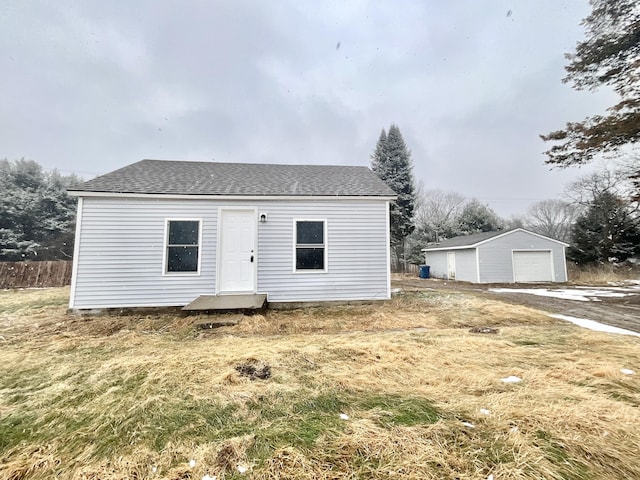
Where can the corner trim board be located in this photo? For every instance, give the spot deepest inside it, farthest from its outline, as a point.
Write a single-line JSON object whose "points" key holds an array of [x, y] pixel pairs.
{"points": [[76, 254]]}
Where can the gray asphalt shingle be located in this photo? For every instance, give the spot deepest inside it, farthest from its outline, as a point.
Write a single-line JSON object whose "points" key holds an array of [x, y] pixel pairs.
{"points": [[466, 240], [238, 179]]}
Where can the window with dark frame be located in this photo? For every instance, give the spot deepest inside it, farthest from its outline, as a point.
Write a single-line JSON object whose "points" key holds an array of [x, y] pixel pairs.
{"points": [[310, 245], [182, 246]]}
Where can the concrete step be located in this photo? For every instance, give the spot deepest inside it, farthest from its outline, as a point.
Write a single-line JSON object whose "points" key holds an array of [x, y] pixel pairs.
{"points": [[227, 302]]}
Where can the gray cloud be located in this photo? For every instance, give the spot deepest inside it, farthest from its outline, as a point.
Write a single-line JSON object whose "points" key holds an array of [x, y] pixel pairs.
{"points": [[91, 86]]}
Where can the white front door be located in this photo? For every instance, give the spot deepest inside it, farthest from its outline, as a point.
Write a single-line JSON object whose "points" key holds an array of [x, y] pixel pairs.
{"points": [[451, 265], [237, 251]]}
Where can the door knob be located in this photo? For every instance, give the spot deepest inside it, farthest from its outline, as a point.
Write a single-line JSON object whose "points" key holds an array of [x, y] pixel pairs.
{"points": [[251, 258]]}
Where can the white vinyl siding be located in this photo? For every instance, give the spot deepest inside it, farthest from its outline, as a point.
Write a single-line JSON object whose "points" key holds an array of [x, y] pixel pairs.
{"points": [[121, 246], [121, 259], [437, 262], [356, 252], [465, 264], [496, 259]]}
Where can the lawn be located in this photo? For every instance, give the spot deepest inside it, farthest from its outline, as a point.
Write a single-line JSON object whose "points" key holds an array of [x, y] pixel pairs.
{"points": [[401, 389]]}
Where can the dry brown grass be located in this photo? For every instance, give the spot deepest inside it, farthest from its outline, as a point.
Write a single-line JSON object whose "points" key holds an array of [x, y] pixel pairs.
{"points": [[601, 274], [140, 396]]}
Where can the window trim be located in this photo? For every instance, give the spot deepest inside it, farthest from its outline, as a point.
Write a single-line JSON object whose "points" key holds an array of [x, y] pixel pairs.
{"points": [[165, 247], [325, 245]]}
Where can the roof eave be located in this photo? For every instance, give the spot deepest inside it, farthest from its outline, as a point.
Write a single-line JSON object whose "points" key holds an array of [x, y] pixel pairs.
{"points": [[459, 247], [192, 196]]}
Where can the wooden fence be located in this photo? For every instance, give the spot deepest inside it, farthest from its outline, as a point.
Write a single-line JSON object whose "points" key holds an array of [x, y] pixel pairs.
{"points": [[35, 274], [409, 269]]}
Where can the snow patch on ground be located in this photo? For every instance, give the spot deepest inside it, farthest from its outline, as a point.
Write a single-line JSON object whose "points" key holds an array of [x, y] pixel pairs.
{"points": [[581, 294], [633, 284], [593, 325], [511, 379]]}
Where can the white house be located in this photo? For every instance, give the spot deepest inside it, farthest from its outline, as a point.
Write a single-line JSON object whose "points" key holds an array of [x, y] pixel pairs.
{"points": [[163, 233], [499, 257]]}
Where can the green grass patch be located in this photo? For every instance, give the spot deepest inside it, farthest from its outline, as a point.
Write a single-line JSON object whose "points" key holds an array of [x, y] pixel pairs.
{"points": [[113, 416], [396, 410], [527, 343], [622, 391], [568, 468], [20, 382], [12, 301], [297, 422], [302, 423], [542, 337], [16, 428]]}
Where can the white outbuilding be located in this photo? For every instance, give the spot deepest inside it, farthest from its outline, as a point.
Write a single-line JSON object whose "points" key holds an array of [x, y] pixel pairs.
{"points": [[514, 256]]}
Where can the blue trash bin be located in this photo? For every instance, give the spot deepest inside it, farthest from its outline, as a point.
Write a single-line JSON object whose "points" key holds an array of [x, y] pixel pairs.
{"points": [[424, 271]]}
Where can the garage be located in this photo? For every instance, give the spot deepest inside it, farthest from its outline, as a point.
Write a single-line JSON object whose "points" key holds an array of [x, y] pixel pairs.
{"points": [[532, 266], [511, 256]]}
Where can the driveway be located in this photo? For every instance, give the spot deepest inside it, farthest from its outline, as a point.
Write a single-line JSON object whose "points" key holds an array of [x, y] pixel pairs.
{"points": [[616, 305]]}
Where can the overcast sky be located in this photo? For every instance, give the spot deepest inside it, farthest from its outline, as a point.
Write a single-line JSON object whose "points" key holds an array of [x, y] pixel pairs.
{"points": [[91, 86]]}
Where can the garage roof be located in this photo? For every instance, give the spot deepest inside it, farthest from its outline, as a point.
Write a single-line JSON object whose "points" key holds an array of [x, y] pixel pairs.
{"points": [[472, 241]]}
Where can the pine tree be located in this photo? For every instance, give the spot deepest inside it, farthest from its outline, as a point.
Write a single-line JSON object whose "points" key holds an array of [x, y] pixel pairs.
{"points": [[606, 232], [378, 158], [391, 161], [608, 57], [477, 218], [36, 215]]}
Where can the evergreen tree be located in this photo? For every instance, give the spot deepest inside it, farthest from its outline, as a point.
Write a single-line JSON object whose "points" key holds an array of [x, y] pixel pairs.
{"points": [[606, 232], [391, 161], [378, 158], [477, 218], [36, 215], [608, 57]]}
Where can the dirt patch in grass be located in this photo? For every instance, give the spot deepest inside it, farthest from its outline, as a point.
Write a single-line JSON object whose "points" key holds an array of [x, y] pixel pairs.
{"points": [[399, 389], [254, 369]]}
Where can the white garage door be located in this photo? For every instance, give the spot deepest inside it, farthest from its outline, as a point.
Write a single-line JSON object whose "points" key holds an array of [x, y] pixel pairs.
{"points": [[532, 266]]}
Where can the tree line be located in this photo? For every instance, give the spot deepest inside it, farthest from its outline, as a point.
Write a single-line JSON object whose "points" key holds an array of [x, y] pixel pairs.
{"points": [[596, 215]]}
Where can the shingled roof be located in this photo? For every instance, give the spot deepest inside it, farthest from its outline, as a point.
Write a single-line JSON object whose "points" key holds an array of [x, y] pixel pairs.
{"points": [[237, 179], [470, 241], [464, 240]]}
